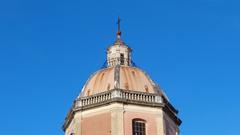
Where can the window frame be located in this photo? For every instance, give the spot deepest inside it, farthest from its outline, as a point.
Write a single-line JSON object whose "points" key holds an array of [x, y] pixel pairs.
{"points": [[141, 130]]}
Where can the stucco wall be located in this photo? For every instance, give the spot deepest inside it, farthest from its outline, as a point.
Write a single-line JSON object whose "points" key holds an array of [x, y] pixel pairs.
{"points": [[116, 119], [97, 125]]}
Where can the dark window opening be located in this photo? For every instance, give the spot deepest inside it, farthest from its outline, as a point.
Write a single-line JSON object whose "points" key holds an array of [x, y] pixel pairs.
{"points": [[138, 127], [122, 59]]}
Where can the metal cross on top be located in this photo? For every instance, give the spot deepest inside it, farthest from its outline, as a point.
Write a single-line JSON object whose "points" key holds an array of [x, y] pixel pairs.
{"points": [[119, 29]]}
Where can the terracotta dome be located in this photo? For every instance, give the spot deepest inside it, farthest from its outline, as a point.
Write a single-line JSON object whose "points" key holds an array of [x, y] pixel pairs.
{"points": [[119, 73], [121, 77]]}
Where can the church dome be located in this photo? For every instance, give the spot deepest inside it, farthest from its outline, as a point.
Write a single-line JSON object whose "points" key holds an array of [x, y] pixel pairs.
{"points": [[120, 73], [119, 77]]}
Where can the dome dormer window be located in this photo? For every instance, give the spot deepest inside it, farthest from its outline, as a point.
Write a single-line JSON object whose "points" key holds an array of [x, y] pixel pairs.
{"points": [[146, 88], [126, 86], [88, 92], [108, 87]]}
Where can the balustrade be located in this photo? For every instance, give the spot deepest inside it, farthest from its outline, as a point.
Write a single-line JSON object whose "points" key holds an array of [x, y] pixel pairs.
{"points": [[120, 94]]}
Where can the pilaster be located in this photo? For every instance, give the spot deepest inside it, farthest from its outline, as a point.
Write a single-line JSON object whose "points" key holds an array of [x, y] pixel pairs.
{"points": [[117, 119], [160, 123]]}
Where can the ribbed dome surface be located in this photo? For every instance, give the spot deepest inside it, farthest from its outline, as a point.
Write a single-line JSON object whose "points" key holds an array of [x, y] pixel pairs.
{"points": [[122, 77]]}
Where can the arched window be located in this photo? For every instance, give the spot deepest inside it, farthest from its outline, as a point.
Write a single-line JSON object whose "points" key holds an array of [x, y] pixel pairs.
{"points": [[138, 127]]}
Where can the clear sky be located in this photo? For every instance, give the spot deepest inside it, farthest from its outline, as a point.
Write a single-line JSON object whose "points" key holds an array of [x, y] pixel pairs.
{"points": [[49, 48]]}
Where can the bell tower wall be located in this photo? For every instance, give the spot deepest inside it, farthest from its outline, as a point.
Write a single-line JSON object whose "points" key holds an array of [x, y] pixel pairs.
{"points": [[117, 119]]}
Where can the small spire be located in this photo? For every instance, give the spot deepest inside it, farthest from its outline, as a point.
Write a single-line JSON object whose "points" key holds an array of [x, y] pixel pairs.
{"points": [[119, 28]]}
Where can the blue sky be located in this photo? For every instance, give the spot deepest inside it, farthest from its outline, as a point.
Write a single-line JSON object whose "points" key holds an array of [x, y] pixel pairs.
{"points": [[49, 48]]}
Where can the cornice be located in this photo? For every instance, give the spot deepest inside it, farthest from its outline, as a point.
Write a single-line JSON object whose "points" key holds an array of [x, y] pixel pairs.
{"points": [[121, 96]]}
